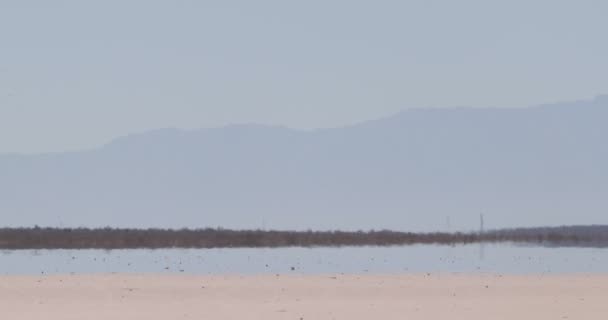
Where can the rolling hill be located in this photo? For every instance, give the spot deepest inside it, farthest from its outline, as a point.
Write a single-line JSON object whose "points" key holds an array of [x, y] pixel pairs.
{"points": [[419, 170]]}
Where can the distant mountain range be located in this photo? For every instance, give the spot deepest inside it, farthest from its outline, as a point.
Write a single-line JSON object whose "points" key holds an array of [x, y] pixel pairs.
{"points": [[419, 170]]}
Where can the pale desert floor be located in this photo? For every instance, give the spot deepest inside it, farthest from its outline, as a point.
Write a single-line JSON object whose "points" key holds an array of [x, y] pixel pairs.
{"points": [[444, 296]]}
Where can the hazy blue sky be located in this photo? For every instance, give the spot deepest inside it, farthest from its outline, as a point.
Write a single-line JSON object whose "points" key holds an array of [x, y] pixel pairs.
{"points": [[75, 74]]}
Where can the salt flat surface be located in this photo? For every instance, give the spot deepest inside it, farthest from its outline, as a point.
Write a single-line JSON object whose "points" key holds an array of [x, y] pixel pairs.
{"points": [[404, 296]]}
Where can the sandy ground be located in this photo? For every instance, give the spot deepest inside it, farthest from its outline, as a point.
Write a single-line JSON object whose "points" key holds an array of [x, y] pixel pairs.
{"points": [[423, 296]]}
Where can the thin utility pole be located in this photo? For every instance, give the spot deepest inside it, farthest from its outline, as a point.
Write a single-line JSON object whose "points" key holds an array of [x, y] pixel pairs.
{"points": [[482, 250]]}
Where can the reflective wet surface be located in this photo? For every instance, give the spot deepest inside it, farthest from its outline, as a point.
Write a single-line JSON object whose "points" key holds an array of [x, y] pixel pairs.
{"points": [[417, 258]]}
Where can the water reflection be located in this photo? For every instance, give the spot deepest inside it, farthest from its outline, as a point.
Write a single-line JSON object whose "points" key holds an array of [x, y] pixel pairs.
{"points": [[417, 258]]}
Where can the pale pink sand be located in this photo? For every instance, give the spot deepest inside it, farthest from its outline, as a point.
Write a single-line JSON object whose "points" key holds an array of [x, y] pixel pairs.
{"points": [[154, 297]]}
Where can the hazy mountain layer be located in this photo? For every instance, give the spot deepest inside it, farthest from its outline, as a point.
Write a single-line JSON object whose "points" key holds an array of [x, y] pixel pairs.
{"points": [[423, 169]]}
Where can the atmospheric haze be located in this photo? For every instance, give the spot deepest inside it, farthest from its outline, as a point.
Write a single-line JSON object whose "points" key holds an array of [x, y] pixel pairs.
{"points": [[545, 165]]}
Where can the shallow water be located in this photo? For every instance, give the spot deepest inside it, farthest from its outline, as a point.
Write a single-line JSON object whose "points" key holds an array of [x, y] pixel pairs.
{"points": [[475, 258]]}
